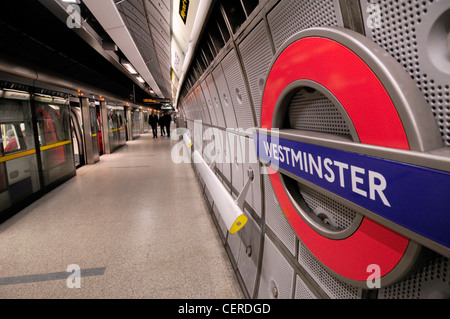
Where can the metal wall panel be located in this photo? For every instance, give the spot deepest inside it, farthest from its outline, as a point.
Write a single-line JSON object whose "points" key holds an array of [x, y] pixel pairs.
{"points": [[215, 101], [235, 156], [226, 167], [432, 281], [163, 9], [277, 275], [238, 90], [256, 52], [415, 35], [209, 104], [249, 252], [234, 242], [276, 219], [254, 196], [199, 106], [302, 291], [225, 97], [291, 16]]}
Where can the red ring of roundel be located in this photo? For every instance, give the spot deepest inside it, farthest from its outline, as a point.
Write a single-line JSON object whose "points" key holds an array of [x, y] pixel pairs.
{"points": [[376, 121]]}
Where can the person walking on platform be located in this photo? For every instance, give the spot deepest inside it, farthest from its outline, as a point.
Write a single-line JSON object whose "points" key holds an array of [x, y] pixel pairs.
{"points": [[153, 122], [162, 125], [167, 120]]}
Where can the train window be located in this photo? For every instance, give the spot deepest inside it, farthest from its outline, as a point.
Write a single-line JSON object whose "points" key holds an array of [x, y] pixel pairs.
{"points": [[235, 13], [18, 163], [54, 133], [116, 126], [15, 124], [10, 137], [53, 124]]}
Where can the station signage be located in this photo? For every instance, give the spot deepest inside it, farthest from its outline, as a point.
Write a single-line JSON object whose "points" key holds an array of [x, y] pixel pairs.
{"points": [[412, 196], [184, 7]]}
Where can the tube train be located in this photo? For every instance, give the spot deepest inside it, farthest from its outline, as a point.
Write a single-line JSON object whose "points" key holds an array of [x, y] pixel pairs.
{"points": [[337, 113], [48, 129]]}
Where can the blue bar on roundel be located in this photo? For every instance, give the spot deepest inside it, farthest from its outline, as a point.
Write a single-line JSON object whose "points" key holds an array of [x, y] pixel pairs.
{"points": [[414, 197]]}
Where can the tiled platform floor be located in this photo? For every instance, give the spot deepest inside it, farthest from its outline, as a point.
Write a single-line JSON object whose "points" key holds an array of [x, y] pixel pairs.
{"points": [[137, 216]]}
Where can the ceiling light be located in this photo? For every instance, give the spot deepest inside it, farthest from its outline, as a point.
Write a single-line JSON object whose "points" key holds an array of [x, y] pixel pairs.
{"points": [[140, 79], [127, 65]]}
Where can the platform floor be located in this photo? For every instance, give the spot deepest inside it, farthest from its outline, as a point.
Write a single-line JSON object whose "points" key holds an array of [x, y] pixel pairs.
{"points": [[135, 223]]}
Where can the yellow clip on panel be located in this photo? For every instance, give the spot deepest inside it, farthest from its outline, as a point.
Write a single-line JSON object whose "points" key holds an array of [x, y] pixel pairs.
{"points": [[238, 224]]}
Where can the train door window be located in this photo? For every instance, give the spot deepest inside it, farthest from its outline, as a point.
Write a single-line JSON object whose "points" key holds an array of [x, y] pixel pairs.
{"points": [[19, 174], [54, 129], [10, 138]]}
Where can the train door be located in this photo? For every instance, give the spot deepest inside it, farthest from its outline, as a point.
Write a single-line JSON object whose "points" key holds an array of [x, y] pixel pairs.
{"points": [[77, 133], [94, 129], [54, 134], [19, 175], [99, 129]]}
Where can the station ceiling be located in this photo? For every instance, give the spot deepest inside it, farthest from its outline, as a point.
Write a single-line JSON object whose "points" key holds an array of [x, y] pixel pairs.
{"points": [[95, 41]]}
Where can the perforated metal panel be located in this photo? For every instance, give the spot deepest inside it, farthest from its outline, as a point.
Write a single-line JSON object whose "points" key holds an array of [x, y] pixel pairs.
{"points": [[226, 167], [313, 111], [249, 253], [235, 154], [257, 54], [277, 275], [333, 287], [254, 193], [292, 16], [238, 90], [209, 104], [302, 291], [415, 33], [430, 282], [222, 226], [163, 8], [225, 97], [276, 219], [202, 105], [215, 101], [340, 215], [234, 242]]}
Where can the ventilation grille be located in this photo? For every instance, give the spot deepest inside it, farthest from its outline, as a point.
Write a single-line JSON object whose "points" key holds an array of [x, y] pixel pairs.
{"points": [[315, 112], [302, 291], [341, 215], [276, 219], [290, 17], [399, 33], [433, 276], [256, 54]]}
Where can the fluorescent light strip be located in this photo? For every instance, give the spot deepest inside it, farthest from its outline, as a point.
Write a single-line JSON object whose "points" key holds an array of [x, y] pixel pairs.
{"points": [[130, 68]]}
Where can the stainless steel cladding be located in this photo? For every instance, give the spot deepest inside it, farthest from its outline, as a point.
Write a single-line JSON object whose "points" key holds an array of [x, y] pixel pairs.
{"points": [[287, 80]]}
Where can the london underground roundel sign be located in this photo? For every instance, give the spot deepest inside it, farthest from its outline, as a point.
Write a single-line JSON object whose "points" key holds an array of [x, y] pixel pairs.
{"points": [[386, 113]]}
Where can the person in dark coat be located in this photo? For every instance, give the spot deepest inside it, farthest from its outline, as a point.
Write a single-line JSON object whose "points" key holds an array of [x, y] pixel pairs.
{"points": [[167, 120], [153, 122], [162, 124]]}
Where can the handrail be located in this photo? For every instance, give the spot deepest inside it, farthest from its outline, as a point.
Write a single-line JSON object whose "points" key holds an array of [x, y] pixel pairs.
{"points": [[227, 206]]}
